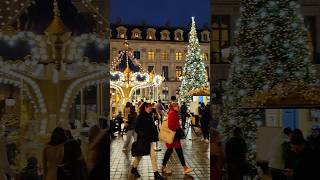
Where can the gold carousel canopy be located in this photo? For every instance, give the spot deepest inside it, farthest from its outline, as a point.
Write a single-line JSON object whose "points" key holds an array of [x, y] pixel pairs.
{"points": [[204, 91], [127, 74], [285, 95]]}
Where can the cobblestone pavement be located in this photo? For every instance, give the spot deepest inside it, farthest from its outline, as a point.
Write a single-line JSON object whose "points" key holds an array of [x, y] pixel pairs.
{"points": [[196, 154]]}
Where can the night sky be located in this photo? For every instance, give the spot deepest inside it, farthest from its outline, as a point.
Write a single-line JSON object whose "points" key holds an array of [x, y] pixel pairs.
{"points": [[159, 12]]}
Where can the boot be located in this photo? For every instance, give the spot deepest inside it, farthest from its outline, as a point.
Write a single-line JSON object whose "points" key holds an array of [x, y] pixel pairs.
{"points": [[135, 172], [157, 176]]}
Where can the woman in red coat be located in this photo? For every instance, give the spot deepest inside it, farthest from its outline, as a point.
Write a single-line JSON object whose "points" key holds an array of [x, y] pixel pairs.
{"points": [[174, 125]]}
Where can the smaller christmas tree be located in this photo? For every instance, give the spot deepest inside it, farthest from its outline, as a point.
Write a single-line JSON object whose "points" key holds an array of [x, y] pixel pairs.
{"points": [[194, 74]]}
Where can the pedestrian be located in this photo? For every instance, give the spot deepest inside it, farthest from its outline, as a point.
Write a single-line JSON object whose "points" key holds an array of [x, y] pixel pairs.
{"points": [[236, 150], [174, 125], [287, 153], [98, 162], [53, 154], [184, 114], [217, 155], [74, 166], [31, 171], [132, 119], [307, 164], [314, 139], [160, 109], [204, 122], [126, 111], [147, 130], [5, 168], [119, 120]]}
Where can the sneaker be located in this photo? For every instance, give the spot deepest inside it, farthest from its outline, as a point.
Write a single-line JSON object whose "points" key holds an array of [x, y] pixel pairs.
{"points": [[135, 172], [157, 176], [206, 141], [187, 170], [166, 170]]}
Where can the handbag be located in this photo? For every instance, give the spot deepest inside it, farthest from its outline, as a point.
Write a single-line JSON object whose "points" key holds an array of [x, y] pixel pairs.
{"points": [[166, 135], [141, 147], [179, 134]]}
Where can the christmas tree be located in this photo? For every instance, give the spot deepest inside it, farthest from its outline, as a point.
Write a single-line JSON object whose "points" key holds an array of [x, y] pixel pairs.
{"points": [[270, 48], [194, 74]]}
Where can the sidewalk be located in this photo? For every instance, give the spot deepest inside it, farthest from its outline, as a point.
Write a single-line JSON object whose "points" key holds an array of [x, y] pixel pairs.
{"points": [[196, 154]]}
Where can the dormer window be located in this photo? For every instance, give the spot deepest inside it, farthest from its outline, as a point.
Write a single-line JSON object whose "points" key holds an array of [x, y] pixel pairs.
{"points": [[205, 36], [165, 35], [122, 32], [136, 34], [178, 35], [151, 34]]}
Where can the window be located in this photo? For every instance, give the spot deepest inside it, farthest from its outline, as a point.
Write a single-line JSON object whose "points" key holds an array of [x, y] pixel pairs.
{"points": [[310, 22], [150, 69], [136, 54], [165, 35], [220, 36], [136, 35], [179, 37], [122, 35], [178, 72], [164, 56], [178, 56], [150, 55], [205, 37], [151, 34], [205, 56], [165, 72]]}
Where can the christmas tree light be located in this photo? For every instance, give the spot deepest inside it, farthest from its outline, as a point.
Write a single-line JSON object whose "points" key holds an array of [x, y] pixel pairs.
{"points": [[194, 74]]}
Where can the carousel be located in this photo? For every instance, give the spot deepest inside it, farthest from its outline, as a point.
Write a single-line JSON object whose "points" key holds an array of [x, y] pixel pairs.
{"points": [[128, 79], [42, 74]]}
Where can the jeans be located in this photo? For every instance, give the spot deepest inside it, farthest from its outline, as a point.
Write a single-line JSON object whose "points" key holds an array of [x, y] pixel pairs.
{"points": [[153, 158], [130, 134], [168, 154]]}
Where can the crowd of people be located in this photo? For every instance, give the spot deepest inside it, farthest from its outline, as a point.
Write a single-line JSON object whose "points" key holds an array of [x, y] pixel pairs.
{"points": [[300, 156], [63, 158], [142, 121]]}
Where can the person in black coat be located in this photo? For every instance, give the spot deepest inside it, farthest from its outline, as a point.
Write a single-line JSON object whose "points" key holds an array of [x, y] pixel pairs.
{"points": [[307, 161], [204, 121], [147, 131], [236, 150]]}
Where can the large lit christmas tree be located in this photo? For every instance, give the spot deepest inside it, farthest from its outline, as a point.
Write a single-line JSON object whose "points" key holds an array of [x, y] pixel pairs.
{"points": [[270, 48], [194, 74]]}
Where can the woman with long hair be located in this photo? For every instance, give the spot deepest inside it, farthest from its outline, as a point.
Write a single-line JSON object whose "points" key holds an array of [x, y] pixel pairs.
{"points": [[132, 118], [174, 125], [146, 129], [53, 154]]}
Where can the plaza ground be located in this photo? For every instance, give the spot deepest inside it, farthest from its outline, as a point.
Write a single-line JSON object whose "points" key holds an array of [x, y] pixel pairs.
{"points": [[196, 154]]}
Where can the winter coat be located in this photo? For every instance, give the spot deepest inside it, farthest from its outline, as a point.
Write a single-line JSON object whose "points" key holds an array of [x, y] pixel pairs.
{"points": [[173, 124], [146, 128], [52, 157]]}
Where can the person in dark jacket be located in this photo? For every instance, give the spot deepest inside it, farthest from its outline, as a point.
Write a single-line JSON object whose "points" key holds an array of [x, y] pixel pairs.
{"points": [[307, 161], [204, 121], [184, 114], [73, 161], [236, 150], [31, 172], [147, 130], [131, 124]]}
